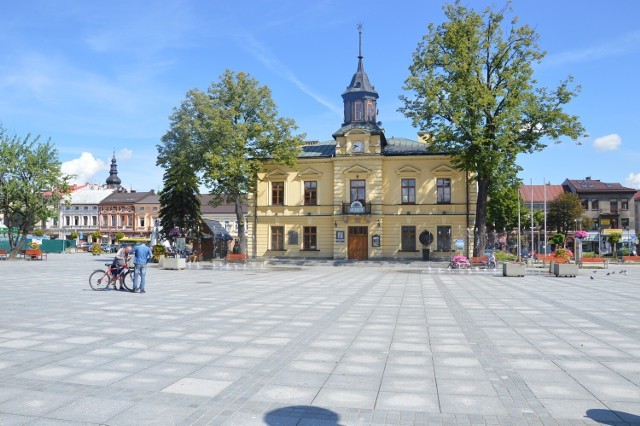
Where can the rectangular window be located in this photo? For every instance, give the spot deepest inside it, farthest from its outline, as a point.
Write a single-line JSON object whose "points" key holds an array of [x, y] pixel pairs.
{"points": [[585, 204], [141, 209], [357, 191], [408, 238], [94, 220], [114, 220], [625, 223], [311, 193], [309, 238], [76, 221], [444, 190], [624, 204], [85, 220], [408, 191], [594, 205], [142, 222], [613, 206], [358, 111], [444, 238], [277, 193], [277, 238]]}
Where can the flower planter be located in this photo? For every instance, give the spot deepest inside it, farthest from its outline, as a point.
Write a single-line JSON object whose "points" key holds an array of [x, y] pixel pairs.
{"points": [[513, 269], [174, 263], [565, 269]]}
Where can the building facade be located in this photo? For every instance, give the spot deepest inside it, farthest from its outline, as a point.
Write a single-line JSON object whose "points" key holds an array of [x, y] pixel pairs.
{"points": [[81, 214], [362, 196], [610, 206]]}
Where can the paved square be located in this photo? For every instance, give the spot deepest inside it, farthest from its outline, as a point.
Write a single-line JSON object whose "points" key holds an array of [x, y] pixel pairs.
{"points": [[318, 344]]}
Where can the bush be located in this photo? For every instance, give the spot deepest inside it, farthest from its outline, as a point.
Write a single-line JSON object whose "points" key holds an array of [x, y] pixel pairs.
{"points": [[96, 249], [502, 256], [562, 254], [157, 251], [589, 254]]}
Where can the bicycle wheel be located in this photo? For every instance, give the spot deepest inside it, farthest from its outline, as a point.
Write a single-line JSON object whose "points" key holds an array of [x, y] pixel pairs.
{"points": [[127, 280], [99, 280]]}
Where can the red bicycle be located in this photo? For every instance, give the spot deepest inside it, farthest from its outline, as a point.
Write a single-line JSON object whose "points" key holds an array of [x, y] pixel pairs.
{"points": [[103, 280]]}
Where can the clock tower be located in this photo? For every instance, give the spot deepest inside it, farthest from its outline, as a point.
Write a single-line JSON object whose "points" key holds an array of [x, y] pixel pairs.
{"points": [[360, 132]]}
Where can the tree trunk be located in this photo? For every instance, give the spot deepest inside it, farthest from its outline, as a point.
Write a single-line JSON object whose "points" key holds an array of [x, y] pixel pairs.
{"points": [[242, 238], [480, 240]]}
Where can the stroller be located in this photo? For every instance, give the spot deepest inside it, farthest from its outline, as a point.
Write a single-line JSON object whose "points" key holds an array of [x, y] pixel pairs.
{"points": [[459, 262]]}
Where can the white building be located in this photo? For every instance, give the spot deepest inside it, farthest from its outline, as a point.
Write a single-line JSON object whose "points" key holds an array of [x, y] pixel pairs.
{"points": [[80, 214]]}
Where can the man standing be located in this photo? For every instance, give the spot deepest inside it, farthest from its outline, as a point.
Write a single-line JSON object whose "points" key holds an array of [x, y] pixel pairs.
{"points": [[141, 255]]}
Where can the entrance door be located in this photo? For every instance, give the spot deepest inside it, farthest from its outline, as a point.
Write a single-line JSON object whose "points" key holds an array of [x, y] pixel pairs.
{"points": [[358, 243]]}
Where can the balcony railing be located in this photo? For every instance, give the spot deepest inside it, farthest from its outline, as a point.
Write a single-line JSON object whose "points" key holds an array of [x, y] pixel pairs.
{"points": [[356, 208]]}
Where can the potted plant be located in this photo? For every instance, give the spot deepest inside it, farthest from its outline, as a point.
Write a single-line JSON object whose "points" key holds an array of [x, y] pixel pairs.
{"points": [[158, 251], [96, 249]]}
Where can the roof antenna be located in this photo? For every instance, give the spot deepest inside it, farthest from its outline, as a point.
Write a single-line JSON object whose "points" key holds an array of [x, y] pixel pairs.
{"points": [[360, 27]]}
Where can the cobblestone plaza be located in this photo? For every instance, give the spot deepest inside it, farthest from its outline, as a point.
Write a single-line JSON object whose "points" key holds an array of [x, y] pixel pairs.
{"points": [[318, 344]]}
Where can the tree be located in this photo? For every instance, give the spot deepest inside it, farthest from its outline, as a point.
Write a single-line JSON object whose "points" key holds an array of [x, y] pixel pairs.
{"points": [[226, 135], [615, 238], [473, 90], [564, 212], [179, 199], [502, 202], [31, 185], [119, 236]]}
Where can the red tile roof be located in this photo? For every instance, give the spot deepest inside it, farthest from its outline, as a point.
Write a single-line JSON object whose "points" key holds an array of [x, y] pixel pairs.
{"points": [[552, 191]]}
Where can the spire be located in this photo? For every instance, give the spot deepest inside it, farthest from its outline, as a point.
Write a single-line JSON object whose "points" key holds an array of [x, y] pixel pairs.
{"points": [[360, 80], [113, 181]]}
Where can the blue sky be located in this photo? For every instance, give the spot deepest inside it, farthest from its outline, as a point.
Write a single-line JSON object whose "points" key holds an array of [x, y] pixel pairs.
{"points": [[98, 77]]}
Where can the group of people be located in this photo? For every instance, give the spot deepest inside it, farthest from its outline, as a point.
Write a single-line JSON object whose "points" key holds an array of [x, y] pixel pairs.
{"points": [[141, 255]]}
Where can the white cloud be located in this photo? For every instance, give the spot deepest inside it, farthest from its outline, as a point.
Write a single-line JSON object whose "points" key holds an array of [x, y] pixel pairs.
{"points": [[632, 181], [262, 54], [625, 45], [84, 168], [607, 143], [124, 154]]}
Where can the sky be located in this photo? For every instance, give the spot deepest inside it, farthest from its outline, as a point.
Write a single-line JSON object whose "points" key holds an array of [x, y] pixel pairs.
{"points": [[98, 77]]}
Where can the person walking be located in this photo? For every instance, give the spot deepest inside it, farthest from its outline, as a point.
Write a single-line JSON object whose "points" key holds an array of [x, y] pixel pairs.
{"points": [[141, 255]]}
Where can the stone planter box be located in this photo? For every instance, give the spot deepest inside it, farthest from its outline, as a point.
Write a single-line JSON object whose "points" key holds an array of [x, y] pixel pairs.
{"points": [[565, 269], [513, 269], [174, 263]]}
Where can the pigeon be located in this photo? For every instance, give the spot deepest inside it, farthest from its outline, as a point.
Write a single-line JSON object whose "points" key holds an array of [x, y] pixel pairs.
{"points": [[595, 271], [612, 272], [591, 277], [608, 273]]}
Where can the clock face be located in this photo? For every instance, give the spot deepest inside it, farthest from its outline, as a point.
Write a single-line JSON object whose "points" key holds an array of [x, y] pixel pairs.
{"points": [[358, 146]]}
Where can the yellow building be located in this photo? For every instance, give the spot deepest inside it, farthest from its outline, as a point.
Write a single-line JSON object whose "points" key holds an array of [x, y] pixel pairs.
{"points": [[363, 196]]}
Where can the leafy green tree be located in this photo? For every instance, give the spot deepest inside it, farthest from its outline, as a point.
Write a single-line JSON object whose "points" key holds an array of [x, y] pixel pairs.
{"points": [[119, 236], [502, 202], [31, 185], [557, 240], [97, 236], [564, 212], [615, 238], [227, 134], [180, 199], [473, 90]]}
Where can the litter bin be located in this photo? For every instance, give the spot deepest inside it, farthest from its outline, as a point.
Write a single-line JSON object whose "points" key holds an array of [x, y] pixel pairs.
{"points": [[425, 254]]}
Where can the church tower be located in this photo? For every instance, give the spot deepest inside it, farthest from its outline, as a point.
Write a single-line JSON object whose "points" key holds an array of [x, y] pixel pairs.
{"points": [[113, 181], [360, 132]]}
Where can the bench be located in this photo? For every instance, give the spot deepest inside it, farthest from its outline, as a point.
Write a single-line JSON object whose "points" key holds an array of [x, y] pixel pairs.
{"points": [[236, 258], [626, 259], [590, 260], [3, 254], [34, 254], [480, 261]]}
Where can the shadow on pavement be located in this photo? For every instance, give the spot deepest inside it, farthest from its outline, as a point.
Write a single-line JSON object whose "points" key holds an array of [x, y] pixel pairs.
{"points": [[311, 415], [612, 417]]}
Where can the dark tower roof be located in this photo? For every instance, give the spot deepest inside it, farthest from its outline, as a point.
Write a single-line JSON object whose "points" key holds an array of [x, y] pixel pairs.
{"points": [[113, 181], [360, 101]]}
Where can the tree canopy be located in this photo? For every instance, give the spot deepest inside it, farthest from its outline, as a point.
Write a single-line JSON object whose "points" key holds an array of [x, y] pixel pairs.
{"points": [[472, 88], [31, 184], [564, 212], [226, 135]]}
